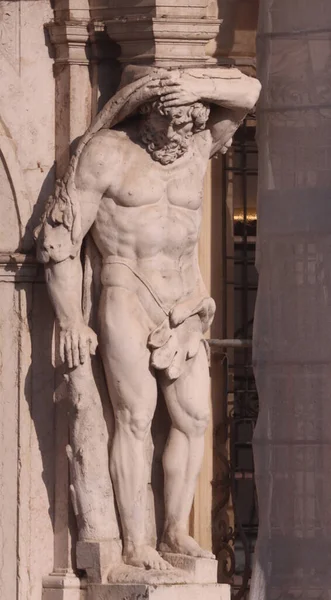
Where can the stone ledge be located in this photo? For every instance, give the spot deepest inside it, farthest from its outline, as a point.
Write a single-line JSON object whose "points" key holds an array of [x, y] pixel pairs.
{"points": [[20, 268], [211, 591], [201, 570]]}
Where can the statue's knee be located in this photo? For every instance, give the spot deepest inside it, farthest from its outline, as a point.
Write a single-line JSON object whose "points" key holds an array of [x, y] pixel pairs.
{"points": [[201, 423], [195, 425], [140, 425], [136, 423]]}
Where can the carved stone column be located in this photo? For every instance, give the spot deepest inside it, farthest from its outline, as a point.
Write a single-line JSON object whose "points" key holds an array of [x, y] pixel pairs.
{"points": [[72, 85], [73, 96]]}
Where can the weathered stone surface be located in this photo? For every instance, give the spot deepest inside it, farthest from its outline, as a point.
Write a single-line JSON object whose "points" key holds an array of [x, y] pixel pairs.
{"points": [[27, 109], [63, 586], [163, 41], [95, 558], [202, 570], [159, 592]]}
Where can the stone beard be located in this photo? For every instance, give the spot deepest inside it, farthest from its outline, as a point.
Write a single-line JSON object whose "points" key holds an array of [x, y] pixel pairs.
{"points": [[163, 148]]}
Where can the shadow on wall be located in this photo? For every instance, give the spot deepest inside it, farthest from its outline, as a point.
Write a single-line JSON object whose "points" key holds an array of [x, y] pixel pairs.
{"points": [[29, 313], [42, 378], [39, 381], [41, 375], [237, 32]]}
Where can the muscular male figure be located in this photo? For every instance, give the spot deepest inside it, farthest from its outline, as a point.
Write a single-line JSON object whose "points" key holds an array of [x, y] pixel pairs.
{"points": [[139, 187]]}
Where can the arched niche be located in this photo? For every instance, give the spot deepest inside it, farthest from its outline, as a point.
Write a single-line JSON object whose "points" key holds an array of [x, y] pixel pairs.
{"points": [[15, 206]]}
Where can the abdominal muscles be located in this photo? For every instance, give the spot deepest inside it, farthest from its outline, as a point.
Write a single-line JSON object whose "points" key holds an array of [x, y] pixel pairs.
{"points": [[159, 240], [147, 232]]}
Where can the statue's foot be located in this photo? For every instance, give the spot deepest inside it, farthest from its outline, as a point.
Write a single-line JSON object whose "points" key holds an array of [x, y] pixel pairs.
{"points": [[178, 542], [145, 557]]}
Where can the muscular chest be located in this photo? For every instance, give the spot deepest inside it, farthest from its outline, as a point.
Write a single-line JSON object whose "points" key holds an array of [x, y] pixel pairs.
{"points": [[147, 183]]}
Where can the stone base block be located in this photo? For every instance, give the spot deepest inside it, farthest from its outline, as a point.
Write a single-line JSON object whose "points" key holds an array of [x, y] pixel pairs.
{"points": [[201, 570], [64, 594], [96, 558], [63, 586], [211, 591]]}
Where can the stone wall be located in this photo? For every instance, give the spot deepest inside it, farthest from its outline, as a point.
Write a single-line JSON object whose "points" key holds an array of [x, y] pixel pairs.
{"points": [[26, 403]]}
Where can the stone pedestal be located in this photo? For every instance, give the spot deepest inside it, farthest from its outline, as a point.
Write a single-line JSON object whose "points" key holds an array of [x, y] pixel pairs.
{"points": [[189, 578], [200, 570], [63, 586], [96, 557], [211, 591]]}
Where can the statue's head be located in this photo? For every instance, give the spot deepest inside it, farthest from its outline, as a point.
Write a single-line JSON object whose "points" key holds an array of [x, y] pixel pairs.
{"points": [[166, 132]]}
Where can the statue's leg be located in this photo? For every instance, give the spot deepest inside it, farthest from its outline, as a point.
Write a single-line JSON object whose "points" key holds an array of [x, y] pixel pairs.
{"points": [[187, 400], [124, 329]]}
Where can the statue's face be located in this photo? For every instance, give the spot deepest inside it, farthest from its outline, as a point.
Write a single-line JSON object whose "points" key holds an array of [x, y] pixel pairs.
{"points": [[171, 123], [166, 132]]}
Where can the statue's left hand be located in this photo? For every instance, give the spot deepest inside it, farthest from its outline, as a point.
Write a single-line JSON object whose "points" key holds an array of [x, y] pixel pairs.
{"points": [[176, 92], [76, 343]]}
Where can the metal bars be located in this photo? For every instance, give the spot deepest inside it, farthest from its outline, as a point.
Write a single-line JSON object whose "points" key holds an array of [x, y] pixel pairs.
{"points": [[240, 284]]}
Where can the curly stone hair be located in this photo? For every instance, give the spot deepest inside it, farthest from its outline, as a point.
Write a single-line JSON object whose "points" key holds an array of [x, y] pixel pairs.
{"points": [[198, 113]]}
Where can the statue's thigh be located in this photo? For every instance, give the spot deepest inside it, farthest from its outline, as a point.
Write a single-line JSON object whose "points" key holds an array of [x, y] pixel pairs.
{"points": [[187, 397], [124, 330]]}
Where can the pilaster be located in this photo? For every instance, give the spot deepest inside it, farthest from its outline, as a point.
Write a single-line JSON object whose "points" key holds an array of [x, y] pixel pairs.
{"points": [[69, 36], [72, 85]]}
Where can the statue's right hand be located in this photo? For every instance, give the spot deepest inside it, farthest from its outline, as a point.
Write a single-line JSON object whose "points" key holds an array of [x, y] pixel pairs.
{"points": [[76, 343]]}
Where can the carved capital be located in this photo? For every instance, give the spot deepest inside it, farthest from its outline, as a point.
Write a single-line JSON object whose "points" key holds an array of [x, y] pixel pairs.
{"points": [[162, 41], [71, 42]]}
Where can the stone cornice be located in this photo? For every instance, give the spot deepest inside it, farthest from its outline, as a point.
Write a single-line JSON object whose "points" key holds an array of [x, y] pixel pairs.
{"points": [[16, 267], [71, 41]]}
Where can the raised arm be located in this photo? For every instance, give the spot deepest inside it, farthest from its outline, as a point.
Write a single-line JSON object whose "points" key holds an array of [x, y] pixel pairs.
{"points": [[230, 99], [230, 94]]}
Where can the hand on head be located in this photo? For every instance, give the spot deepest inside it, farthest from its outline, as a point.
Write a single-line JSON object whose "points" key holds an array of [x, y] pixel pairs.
{"points": [[174, 90]]}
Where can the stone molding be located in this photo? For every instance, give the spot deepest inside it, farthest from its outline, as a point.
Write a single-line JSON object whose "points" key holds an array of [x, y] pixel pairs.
{"points": [[162, 41], [165, 9], [63, 585], [71, 42], [16, 267]]}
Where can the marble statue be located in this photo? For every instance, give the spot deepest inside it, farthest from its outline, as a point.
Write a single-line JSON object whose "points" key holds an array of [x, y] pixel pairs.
{"points": [[135, 183]]}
